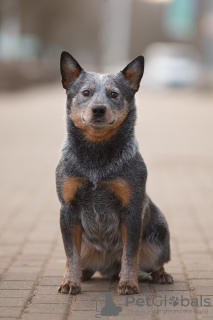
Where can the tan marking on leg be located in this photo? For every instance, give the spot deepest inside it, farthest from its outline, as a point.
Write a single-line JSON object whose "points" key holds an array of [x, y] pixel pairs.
{"points": [[77, 236], [121, 188], [123, 235], [124, 241], [72, 278], [128, 283], [70, 187]]}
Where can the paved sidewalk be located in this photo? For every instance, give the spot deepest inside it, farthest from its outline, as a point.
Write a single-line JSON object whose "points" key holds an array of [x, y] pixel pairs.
{"points": [[175, 134]]}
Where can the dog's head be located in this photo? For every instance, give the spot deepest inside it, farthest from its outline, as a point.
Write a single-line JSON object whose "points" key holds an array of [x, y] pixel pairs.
{"points": [[99, 103]]}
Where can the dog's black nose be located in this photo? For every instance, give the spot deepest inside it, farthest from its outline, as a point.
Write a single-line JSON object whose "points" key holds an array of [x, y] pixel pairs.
{"points": [[98, 111]]}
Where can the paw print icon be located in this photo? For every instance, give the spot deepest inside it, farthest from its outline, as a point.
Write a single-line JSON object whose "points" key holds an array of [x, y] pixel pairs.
{"points": [[174, 301]]}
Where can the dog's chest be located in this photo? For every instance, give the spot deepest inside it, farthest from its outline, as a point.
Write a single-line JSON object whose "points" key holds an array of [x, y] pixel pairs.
{"points": [[100, 219]]}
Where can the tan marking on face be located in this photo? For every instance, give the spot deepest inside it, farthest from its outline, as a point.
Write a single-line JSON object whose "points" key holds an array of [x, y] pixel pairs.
{"points": [[108, 88], [75, 115], [70, 188], [92, 86], [102, 134], [121, 188], [93, 134]]}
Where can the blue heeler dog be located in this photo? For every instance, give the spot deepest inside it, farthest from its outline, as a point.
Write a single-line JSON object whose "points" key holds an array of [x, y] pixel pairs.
{"points": [[108, 222]]}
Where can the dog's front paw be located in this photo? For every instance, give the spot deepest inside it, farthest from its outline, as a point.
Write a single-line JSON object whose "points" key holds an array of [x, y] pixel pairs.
{"points": [[69, 287], [128, 287]]}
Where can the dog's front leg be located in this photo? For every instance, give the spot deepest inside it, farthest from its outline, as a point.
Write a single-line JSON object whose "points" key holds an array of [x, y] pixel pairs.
{"points": [[71, 230], [131, 238]]}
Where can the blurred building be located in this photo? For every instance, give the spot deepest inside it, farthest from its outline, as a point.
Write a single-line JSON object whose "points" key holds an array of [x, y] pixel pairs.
{"points": [[101, 34]]}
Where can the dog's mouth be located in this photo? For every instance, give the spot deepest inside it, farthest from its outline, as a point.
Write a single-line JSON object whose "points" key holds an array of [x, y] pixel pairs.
{"points": [[98, 123]]}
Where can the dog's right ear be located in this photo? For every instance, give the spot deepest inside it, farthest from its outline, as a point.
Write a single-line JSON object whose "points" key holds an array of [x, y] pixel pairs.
{"points": [[70, 69]]}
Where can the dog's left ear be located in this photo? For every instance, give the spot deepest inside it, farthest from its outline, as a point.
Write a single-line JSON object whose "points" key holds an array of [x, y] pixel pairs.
{"points": [[70, 69], [134, 71]]}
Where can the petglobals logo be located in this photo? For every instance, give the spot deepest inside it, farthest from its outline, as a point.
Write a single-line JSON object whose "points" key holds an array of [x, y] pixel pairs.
{"points": [[159, 301]]}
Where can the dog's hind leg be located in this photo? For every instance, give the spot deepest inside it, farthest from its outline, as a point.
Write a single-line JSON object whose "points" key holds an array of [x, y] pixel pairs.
{"points": [[155, 247], [150, 265]]}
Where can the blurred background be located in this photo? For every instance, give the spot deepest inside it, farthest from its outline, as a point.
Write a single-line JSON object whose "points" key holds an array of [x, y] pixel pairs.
{"points": [[174, 125], [176, 37]]}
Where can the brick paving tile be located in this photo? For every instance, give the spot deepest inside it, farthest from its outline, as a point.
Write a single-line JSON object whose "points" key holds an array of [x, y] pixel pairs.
{"points": [[42, 316], [14, 293], [48, 290], [51, 281], [177, 286], [202, 274], [21, 275], [13, 285], [204, 290], [175, 133], [202, 283], [12, 302], [51, 298], [83, 315], [14, 312], [48, 308]]}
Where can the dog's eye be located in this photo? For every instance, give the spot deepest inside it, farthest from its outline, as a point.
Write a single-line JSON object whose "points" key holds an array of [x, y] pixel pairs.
{"points": [[114, 94], [86, 93]]}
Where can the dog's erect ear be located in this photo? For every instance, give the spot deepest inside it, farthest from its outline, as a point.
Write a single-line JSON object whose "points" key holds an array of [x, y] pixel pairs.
{"points": [[134, 72], [70, 69]]}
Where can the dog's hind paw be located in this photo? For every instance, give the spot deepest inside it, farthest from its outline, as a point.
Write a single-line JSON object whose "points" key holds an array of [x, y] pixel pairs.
{"points": [[128, 287], [69, 287], [161, 277]]}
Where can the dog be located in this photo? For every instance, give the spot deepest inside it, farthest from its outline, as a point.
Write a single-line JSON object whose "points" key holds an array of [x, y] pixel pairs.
{"points": [[108, 222]]}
